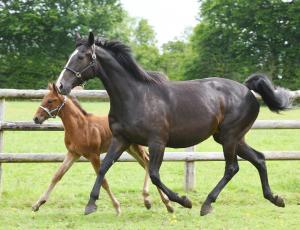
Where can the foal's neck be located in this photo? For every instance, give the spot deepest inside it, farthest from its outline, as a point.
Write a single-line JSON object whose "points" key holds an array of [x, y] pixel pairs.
{"points": [[71, 116]]}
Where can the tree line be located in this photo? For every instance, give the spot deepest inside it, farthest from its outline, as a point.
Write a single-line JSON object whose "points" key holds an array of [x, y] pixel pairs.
{"points": [[232, 39]]}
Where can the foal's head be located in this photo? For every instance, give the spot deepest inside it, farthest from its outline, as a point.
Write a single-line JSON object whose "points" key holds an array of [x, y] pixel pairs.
{"points": [[51, 105]]}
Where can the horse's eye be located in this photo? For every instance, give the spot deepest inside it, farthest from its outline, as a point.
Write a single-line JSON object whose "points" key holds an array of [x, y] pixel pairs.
{"points": [[80, 57], [50, 101]]}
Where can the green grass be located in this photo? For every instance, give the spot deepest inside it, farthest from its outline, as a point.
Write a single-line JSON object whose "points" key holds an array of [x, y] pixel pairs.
{"points": [[240, 205]]}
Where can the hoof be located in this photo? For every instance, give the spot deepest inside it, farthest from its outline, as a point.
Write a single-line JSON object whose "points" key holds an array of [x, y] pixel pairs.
{"points": [[170, 209], [147, 204], [186, 202], [118, 211], [278, 201], [205, 209], [90, 209], [35, 208]]}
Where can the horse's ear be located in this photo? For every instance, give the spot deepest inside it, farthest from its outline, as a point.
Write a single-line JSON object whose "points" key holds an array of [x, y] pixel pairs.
{"points": [[91, 39], [54, 88], [77, 36]]}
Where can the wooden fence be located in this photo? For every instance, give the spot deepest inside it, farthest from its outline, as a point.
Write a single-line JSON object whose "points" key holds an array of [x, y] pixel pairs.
{"points": [[189, 156]]}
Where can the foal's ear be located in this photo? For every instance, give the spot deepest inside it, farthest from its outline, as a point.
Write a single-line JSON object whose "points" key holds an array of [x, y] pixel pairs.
{"points": [[91, 40], [50, 86], [54, 88], [77, 36]]}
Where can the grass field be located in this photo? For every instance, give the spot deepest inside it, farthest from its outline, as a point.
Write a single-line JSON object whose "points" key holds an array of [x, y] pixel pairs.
{"points": [[240, 205]]}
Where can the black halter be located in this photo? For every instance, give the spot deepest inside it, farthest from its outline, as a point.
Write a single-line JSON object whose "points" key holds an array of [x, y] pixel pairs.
{"points": [[90, 65]]}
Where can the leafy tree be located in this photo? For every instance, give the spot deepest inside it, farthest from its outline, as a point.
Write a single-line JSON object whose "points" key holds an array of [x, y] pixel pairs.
{"points": [[236, 38], [36, 36], [144, 44], [173, 58]]}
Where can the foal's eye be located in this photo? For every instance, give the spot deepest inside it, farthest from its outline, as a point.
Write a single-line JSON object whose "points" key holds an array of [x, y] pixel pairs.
{"points": [[50, 101]]}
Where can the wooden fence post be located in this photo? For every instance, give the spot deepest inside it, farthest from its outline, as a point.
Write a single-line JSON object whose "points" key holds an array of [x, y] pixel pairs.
{"points": [[190, 172], [2, 101]]}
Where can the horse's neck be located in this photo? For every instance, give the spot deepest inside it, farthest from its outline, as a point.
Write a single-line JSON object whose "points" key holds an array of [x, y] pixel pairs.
{"points": [[120, 86], [71, 117]]}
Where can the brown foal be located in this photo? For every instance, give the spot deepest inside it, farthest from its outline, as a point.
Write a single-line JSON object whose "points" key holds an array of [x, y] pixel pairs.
{"points": [[89, 136]]}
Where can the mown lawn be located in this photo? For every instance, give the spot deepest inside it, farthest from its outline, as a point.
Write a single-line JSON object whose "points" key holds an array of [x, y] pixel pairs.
{"points": [[240, 205]]}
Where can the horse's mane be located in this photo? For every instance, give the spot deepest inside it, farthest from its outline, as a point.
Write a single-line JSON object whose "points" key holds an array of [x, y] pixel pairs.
{"points": [[77, 104], [123, 55]]}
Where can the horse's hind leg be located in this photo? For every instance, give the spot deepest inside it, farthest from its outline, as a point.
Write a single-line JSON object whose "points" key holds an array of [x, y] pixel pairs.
{"points": [[231, 168], [64, 167], [258, 160], [156, 150], [139, 153], [95, 160]]}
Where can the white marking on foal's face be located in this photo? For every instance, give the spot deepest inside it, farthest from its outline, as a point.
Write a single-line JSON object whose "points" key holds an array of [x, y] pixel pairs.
{"points": [[63, 71]]}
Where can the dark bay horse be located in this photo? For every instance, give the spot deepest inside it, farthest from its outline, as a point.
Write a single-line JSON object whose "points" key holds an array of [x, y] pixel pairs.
{"points": [[156, 113], [86, 135]]}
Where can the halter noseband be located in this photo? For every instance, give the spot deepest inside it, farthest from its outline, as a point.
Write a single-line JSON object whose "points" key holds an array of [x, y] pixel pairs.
{"points": [[91, 64], [50, 112]]}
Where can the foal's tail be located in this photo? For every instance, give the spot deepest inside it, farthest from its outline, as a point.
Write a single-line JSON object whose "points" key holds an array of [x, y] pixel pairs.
{"points": [[276, 98]]}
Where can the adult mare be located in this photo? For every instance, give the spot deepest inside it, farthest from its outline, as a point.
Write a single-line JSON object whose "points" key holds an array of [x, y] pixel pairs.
{"points": [[157, 113]]}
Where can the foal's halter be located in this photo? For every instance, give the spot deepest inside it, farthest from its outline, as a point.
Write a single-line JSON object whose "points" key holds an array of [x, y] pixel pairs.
{"points": [[91, 64], [57, 109]]}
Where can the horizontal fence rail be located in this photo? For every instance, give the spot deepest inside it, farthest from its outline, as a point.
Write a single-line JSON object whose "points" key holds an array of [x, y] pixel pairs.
{"points": [[169, 156], [58, 126], [84, 94], [39, 94]]}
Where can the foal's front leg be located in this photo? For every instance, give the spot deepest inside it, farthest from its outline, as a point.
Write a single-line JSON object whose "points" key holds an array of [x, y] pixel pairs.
{"points": [[116, 148], [64, 167], [156, 150]]}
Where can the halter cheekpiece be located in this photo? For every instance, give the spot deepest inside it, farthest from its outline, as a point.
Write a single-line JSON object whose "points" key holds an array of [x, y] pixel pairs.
{"points": [[57, 109], [91, 64]]}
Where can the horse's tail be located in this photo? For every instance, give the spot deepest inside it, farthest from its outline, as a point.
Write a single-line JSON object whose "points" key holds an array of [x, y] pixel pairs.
{"points": [[276, 98]]}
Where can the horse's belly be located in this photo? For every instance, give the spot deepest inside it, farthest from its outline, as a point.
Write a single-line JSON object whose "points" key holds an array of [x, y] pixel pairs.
{"points": [[189, 136], [187, 140]]}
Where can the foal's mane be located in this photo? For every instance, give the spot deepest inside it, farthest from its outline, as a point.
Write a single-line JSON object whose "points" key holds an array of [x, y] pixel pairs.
{"points": [[77, 104], [123, 55]]}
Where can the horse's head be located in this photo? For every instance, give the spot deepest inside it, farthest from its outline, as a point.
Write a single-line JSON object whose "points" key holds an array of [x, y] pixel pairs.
{"points": [[51, 105], [80, 66]]}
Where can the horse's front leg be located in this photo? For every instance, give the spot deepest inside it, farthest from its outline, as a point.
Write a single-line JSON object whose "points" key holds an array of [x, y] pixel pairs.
{"points": [[64, 167], [95, 160], [156, 150], [116, 148]]}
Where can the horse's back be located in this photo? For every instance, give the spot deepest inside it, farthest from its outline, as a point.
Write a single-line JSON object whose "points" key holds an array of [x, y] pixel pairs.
{"points": [[204, 105]]}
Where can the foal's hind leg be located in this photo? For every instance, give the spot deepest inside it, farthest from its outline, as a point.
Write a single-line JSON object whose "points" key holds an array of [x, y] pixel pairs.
{"points": [[258, 160], [139, 153], [95, 160], [64, 167], [231, 168], [156, 150]]}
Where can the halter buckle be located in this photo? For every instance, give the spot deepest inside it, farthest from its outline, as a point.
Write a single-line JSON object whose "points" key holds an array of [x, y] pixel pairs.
{"points": [[78, 75]]}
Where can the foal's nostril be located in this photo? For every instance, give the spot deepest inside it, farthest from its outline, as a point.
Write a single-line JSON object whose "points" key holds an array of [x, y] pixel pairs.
{"points": [[36, 120]]}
